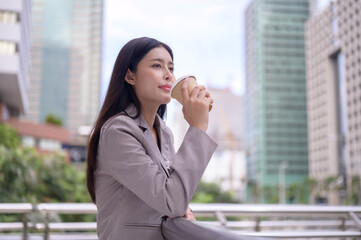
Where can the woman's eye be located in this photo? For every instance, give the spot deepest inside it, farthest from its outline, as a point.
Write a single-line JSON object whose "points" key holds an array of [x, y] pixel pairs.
{"points": [[156, 65], [171, 69]]}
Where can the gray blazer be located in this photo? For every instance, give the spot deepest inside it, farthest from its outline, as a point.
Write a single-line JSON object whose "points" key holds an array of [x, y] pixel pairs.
{"points": [[136, 183]]}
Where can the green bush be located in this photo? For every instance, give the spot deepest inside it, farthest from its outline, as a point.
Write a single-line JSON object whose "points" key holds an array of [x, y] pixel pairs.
{"points": [[9, 137], [52, 119], [212, 193]]}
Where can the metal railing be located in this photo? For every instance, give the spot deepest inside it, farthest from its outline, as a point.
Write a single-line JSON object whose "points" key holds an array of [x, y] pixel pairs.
{"points": [[278, 221]]}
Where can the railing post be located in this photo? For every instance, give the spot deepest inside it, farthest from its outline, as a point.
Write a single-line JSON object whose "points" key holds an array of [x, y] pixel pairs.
{"points": [[25, 227], [221, 218], [46, 226], [343, 224], [355, 219], [258, 227]]}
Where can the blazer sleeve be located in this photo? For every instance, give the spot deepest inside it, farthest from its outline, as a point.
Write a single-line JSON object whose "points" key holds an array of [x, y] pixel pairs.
{"points": [[126, 160]]}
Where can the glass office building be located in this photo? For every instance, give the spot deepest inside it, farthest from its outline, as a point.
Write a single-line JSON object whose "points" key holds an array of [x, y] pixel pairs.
{"points": [[66, 61], [275, 103]]}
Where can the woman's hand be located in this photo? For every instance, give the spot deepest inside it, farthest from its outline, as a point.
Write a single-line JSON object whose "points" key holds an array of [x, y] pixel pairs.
{"points": [[196, 106], [189, 215]]}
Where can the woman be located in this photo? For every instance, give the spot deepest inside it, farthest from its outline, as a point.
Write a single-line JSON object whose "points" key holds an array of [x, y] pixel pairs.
{"points": [[133, 174]]}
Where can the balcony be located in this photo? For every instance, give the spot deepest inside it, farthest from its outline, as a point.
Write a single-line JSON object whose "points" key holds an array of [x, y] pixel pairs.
{"points": [[12, 87]]}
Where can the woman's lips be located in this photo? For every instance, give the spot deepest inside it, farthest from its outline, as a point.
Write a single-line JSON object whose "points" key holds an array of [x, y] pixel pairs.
{"points": [[166, 87]]}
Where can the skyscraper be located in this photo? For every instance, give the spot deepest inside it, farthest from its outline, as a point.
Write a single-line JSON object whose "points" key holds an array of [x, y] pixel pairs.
{"points": [[15, 21], [333, 56], [275, 102], [66, 61]]}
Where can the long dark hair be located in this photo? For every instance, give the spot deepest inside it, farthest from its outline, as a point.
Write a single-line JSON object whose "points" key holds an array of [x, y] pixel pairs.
{"points": [[119, 96]]}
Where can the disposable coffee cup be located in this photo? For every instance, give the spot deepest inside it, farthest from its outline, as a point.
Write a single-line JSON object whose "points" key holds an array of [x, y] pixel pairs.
{"points": [[176, 90]]}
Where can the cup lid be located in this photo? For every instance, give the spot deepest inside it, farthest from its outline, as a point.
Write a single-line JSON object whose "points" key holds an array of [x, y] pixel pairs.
{"points": [[180, 79]]}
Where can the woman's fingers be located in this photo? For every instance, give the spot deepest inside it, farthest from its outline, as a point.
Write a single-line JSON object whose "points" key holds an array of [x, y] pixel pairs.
{"points": [[198, 92], [196, 107], [209, 101], [202, 94], [195, 92], [204, 88], [189, 215]]}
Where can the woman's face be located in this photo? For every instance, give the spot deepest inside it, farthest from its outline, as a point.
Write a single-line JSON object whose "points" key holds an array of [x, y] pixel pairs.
{"points": [[154, 77]]}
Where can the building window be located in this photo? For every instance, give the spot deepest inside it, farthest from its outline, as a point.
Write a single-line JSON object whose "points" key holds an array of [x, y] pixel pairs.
{"points": [[334, 26], [9, 17], [28, 141], [7, 48], [49, 145]]}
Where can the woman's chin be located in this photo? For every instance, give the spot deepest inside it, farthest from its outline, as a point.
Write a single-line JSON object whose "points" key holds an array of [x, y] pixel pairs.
{"points": [[167, 100]]}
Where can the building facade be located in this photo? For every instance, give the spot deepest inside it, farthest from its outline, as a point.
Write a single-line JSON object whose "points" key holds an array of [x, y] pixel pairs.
{"points": [[66, 61], [227, 166], [275, 100], [15, 21], [45, 138], [333, 51]]}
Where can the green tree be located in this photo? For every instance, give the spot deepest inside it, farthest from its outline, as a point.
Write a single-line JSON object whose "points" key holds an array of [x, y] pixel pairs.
{"points": [[271, 194], [254, 192], [306, 189], [27, 176], [330, 184], [212, 193], [9, 137], [354, 193], [16, 179], [293, 192], [311, 185], [52, 119]]}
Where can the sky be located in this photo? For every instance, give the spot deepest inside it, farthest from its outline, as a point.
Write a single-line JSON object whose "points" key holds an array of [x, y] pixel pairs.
{"points": [[206, 36]]}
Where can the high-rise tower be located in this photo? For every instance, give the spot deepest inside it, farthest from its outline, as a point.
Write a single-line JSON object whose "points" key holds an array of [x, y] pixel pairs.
{"points": [[275, 102], [66, 61], [333, 56]]}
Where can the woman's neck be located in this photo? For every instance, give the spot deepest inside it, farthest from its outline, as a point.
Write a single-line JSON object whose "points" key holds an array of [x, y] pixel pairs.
{"points": [[149, 114]]}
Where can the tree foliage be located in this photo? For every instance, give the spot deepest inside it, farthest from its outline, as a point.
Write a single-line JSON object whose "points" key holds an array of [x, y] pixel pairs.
{"points": [[9, 137], [27, 176], [212, 193], [353, 198], [52, 119]]}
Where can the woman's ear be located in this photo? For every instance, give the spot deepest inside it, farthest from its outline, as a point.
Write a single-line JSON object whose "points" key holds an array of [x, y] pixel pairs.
{"points": [[130, 78]]}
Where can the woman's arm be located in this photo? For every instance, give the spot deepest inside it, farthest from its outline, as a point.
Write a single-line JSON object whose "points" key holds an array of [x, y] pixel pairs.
{"points": [[124, 157]]}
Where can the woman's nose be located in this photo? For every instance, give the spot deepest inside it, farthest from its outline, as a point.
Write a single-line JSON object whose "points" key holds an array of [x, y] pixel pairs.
{"points": [[168, 75], [170, 78]]}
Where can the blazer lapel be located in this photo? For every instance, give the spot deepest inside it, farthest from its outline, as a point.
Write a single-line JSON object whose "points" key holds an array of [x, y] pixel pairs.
{"points": [[160, 159], [164, 142], [131, 111]]}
